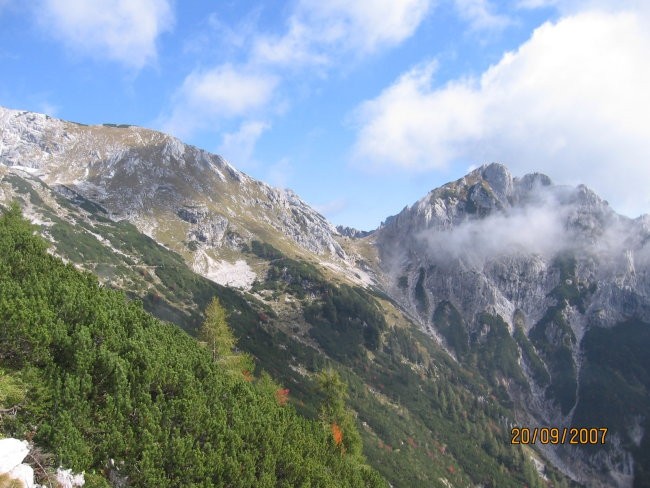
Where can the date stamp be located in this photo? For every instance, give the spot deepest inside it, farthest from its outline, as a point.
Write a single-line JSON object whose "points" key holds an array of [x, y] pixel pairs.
{"points": [[586, 436]]}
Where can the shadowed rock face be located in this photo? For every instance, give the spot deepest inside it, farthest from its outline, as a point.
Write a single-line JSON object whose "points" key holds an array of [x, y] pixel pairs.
{"points": [[557, 261]]}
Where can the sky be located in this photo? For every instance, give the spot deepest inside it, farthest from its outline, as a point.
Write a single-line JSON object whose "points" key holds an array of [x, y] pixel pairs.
{"points": [[361, 107]]}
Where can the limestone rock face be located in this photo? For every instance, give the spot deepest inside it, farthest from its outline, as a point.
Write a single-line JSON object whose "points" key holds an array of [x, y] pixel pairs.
{"points": [[176, 193], [551, 271], [12, 453], [556, 261]]}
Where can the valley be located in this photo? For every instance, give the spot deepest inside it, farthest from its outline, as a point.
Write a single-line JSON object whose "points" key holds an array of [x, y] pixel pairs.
{"points": [[493, 302]]}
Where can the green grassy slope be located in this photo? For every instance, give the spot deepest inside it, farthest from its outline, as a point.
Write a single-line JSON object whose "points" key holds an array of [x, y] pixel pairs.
{"points": [[425, 420], [105, 380]]}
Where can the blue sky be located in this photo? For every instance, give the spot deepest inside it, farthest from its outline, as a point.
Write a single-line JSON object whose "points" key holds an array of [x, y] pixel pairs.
{"points": [[360, 107]]}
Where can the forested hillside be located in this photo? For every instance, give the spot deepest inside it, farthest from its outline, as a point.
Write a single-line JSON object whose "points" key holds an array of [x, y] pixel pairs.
{"points": [[95, 378]]}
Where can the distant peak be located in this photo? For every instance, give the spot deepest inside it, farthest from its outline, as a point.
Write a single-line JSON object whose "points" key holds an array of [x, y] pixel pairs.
{"points": [[352, 232], [499, 179], [533, 180]]}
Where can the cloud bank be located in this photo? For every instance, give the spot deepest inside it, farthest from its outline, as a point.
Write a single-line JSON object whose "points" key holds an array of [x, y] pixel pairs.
{"points": [[207, 97], [533, 229], [571, 101], [121, 30], [554, 220]]}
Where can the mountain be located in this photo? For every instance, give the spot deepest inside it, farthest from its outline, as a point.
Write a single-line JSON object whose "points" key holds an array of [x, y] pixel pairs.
{"points": [[544, 288], [99, 380], [491, 303], [194, 202]]}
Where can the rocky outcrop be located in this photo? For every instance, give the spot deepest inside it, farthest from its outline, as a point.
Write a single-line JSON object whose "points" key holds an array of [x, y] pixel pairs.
{"points": [[171, 191], [12, 454], [352, 232], [556, 261]]}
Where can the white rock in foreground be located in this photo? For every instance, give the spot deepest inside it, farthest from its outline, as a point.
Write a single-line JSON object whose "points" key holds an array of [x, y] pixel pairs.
{"points": [[67, 479], [12, 453]]}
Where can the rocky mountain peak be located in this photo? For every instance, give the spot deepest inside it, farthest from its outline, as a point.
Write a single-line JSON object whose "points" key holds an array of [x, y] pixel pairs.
{"points": [[539, 269], [191, 200]]}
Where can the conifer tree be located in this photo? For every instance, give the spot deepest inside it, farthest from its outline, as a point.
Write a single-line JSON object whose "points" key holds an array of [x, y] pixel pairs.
{"points": [[334, 414], [221, 341], [215, 331]]}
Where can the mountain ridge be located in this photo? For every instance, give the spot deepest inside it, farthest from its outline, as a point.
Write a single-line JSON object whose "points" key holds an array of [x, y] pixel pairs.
{"points": [[517, 278], [151, 178]]}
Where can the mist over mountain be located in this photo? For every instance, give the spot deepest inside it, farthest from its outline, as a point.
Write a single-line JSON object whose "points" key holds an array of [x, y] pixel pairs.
{"points": [[499, 294], [558, 267]]}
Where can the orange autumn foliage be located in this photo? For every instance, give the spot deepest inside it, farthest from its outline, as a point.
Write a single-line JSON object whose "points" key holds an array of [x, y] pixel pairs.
{"points": [[282, 396], [337, 434]]}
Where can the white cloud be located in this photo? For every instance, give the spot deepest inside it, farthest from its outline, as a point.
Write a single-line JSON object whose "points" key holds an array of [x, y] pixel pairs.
{"points": [[317, 27], [367, 23], [280, 173], [238, 147], [412, 126], [49, 108], [570, 7], [207, 97], [317, 33], [332, 208], [296, 47], [572, 101], [480, 14], [535, 229], [121, 30]]}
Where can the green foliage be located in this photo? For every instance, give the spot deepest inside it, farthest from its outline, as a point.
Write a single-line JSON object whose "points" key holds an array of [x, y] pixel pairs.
{"points": [[496, 353], [615, 378], [82, 247], [421, 299], [433, 401], [335, 415], [450, 324], [12, 390], [24, 187], [416, 407], [344, 318], [569, 289], [220, 340], [108, 381], [615, 386], [216, 332], [553, 338], [265, 250], [531, 358]]}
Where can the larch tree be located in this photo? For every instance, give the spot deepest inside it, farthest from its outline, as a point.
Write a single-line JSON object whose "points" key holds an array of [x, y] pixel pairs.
{"points": [[221, 341], [334, 414], [215, 331]]}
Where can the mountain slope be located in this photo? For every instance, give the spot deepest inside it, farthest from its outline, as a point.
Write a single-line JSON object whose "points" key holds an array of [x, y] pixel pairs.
{"points": [[190, 200], [104, 380], [415, 407], [522, 311], [545, 289]]}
